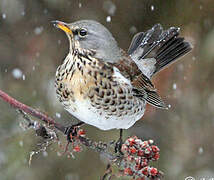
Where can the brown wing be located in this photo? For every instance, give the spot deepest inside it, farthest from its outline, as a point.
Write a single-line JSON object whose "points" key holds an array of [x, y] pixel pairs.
{"points": [[142, 86]]}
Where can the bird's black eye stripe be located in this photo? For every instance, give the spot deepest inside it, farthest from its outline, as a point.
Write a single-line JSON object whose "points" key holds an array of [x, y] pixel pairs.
{"points": [[82, 32]]}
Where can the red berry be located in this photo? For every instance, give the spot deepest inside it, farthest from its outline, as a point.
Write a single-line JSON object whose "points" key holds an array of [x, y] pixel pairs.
{"points": [[128, 171], [156, 156], [81, 132], [130, 158], [138, 160], [141, 178], [153, 171], [131, 141], [155, 149], [132, 150], [144, 144], [77, 148], [124, 148], [140, 153], [147, 151], [138, 167], [144, 163], [145, 171], [150, 141]]}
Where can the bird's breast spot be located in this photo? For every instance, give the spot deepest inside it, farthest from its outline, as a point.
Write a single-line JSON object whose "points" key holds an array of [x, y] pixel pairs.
{"points": [[80, 85]]}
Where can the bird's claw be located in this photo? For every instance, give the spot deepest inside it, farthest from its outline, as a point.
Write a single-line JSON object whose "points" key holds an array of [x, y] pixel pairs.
{"points": [[70, 132], [118, 146]]}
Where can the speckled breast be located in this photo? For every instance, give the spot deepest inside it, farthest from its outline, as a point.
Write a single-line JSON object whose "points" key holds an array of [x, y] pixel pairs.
{"points": [[91, 91]]}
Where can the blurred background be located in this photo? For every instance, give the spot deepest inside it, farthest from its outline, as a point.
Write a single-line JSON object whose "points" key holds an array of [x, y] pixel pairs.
{"points": [[31, 49]]}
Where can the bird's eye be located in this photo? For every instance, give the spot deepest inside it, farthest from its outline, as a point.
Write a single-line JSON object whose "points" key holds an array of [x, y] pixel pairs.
{"points": [[82, 32]]}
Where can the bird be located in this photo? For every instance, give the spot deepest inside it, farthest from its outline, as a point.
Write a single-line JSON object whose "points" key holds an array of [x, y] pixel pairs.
{"points": [[107, 87]]}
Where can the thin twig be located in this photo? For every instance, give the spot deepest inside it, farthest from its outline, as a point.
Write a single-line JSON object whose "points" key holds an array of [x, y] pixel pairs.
{"points": [[29, 110], [107, 173], [98, 147]]}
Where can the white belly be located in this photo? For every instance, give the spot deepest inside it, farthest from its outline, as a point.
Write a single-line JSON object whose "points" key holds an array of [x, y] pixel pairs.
{"points": [[90, 115]]}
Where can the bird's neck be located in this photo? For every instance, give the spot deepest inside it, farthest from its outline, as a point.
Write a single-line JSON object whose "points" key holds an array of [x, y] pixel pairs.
{"points": [[75, 55]]}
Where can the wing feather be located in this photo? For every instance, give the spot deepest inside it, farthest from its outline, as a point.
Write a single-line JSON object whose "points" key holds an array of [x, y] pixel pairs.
{"points": [[142, 86]]}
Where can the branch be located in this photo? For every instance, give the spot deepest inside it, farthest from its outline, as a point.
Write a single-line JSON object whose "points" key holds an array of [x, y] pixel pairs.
{"points": [[133, 161], [29, 110], [98, 147]]}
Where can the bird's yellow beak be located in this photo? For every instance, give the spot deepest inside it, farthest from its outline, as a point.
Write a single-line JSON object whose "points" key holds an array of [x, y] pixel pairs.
{"points": [[63, 26]]}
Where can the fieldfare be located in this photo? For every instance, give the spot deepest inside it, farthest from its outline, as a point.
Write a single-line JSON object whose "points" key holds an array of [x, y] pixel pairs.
{"points": [[104, 86]]}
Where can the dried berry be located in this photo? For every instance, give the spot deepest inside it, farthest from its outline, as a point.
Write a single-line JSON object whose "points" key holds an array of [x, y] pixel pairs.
{"points": [[145, 171], [128, 171], [156, 156], [81, 132], [137, 156], [153, 171], [132, 150], [77, 148], [131, 141]]}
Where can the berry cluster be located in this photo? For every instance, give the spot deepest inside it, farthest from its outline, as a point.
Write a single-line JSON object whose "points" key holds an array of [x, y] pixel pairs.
{"points": [[137, 155], [75, 139]]}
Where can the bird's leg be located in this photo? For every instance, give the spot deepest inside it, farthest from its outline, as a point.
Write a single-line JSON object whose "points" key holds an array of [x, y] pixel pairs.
{"points": [[71, 131], [119, 143]]}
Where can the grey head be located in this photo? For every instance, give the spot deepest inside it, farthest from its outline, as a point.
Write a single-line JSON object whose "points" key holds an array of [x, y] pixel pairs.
{"points": [[91, 35]]}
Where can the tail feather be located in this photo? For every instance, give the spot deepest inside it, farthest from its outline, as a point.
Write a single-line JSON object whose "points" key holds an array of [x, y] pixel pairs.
{"points": [[164, 46], [169, 46], [172, 51], [136, 41], [154, 99]]}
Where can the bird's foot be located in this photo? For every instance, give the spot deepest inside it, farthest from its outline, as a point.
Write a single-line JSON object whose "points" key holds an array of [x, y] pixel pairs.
{"points": [[71, 131], [119, 144]]}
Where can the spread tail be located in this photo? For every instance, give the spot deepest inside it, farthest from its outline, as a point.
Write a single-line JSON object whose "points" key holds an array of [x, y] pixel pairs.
{"points": [[163, 46]]}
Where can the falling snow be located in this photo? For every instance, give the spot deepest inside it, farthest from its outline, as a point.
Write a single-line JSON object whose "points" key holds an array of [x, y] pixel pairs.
{"points": [[108, 19], [132, 29], [193, 58], [17, 73], [4, 16], [21, 143], [180, 67], [174, 86], [80, 5], [38, 30], [58, 115], [23, 13], [109, 7], [34, 93], [152, 8], [58, 153], [3, 158], [45, 11], [44, 153], [37, 54], [23, 77], [200, 150], [169, 106]]}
